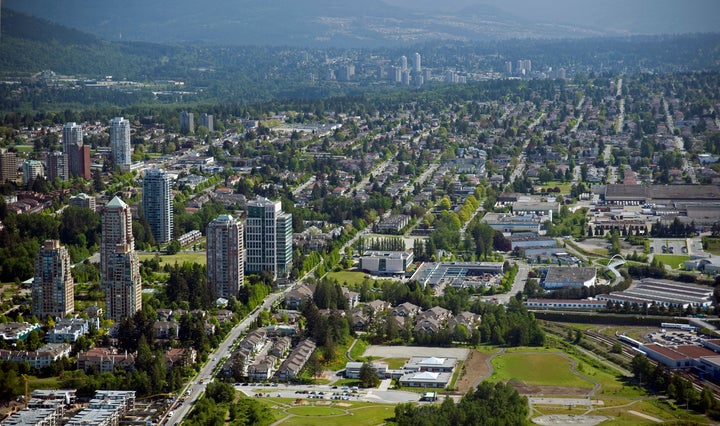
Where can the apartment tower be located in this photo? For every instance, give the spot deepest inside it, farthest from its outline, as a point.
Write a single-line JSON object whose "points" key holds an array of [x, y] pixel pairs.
{"points": [[268, 231], [53, 290], [157, 204], [225, 255]]}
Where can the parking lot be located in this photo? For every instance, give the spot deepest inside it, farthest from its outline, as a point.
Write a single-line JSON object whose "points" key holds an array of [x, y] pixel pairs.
{"points": [[668, 246], [669, 337]]}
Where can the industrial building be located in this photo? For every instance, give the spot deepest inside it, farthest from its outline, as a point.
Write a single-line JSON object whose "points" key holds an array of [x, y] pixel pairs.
{"points": [[666, 293]]}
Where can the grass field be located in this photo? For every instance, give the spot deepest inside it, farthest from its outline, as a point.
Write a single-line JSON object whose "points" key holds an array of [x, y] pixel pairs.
{"points": [[364, 416], [348, 277], [24, 148], [179, 258], [546, 369], [674, 261], [564, 187]]}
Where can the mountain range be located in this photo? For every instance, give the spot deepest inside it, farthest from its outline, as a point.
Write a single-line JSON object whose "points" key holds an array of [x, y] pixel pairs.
{"points": [[369, 23]]}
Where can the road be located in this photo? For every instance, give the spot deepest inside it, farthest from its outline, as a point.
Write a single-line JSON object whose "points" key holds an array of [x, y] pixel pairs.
{"points": [[302, 187], [520, 168], [611, 170], [194, 389], [679, 143], [518, 285], [620, 123]]}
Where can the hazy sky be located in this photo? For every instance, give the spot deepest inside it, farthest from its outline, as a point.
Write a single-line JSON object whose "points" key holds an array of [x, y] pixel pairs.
{"points": [[655, 16]]}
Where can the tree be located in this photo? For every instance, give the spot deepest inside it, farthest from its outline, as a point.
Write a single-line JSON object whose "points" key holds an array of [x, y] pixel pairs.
{"points": [[369, 375]]}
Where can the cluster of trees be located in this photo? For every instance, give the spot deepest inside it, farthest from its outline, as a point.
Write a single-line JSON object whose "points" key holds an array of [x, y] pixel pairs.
{"points": [[655, 269], [489, 403], [660, 379], [23, 235], [383, 244], [676, 229], [566, 223], [219, 403], [511, 326], [329, 331]]}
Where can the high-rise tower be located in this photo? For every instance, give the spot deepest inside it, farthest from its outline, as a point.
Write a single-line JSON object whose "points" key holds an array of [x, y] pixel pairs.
{"points": [[157, 204], [403, 63], [72, 141], [225, 255], [268, 231], [53, 290], [120, 142], [119, 264], [417, 65], [187, 122]]}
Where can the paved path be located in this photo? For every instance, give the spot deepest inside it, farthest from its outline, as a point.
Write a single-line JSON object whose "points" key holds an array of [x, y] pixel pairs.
{"points": [[645, 416]]}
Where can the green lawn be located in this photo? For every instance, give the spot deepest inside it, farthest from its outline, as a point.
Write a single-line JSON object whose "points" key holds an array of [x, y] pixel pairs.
{"points": [[24, 148], [352, 277], [564, 188], [315, 411], [348, 277], [361, 416], [395, 363], [180, 258], [539, 369], [711, 245], [674, 261], [358, 349]]}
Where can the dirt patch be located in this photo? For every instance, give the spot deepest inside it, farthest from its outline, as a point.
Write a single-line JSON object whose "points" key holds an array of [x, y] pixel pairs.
{"points": [[474, 368], [524, 389], [343, 404]]}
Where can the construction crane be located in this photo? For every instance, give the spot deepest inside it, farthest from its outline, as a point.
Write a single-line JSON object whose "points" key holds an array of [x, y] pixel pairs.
{"points": [[27, 391]]}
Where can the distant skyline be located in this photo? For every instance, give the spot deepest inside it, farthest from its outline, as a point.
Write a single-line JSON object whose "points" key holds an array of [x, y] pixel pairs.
{"points": [[372, 23]]}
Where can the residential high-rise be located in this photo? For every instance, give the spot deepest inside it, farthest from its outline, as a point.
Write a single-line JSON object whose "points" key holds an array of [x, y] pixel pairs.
{"points": [[53, 290], [72, 141], [119, 264], [84, 162], [157, 204], [417, 64], [225, 255], [403, 63], [207, 121], [57, 166], [120, 142], [268, 234], [32, 169], [187, 122], [8, 166]]}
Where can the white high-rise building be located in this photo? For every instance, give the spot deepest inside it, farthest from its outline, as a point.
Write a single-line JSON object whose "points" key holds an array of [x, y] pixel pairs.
{"points": [[403, 63], [32, 169], [268, 233], [120, 142], [417, 64], [157, 204], [225, 256]]}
